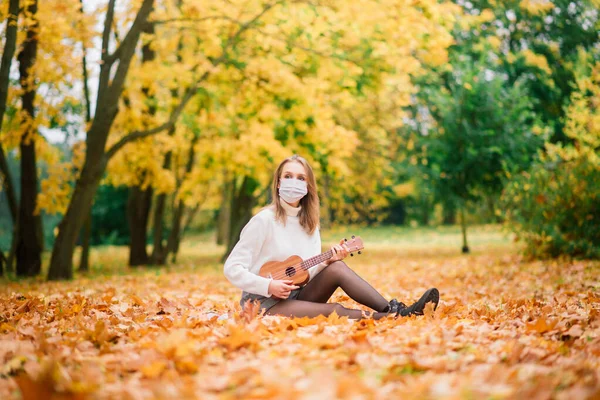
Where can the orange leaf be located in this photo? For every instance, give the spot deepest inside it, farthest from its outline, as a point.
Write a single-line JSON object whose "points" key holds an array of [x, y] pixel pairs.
{"points": [[542, 325], [154, 369]]}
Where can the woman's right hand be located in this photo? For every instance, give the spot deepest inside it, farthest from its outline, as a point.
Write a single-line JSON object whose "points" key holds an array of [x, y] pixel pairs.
{"points": [[281, 289]]}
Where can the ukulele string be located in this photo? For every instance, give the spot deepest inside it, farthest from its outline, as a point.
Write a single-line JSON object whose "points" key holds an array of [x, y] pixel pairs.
{"points": [[325, 256], [283, 274], [321, 257]]}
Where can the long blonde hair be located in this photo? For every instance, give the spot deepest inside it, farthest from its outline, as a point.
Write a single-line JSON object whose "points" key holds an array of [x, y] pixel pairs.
{"points": [[309, 214]]}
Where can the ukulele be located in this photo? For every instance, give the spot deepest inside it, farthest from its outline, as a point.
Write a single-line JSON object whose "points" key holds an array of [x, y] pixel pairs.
{"points": [[296, 269]]}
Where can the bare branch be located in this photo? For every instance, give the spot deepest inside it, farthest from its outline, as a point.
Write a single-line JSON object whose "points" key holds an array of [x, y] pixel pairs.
{"points": [[135, 135], [126, 49], [108, 23], [104, 79]]}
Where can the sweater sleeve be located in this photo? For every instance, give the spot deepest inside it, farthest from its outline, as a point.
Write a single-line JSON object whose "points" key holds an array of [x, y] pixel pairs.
{"points": [[242, 257], [312, 272]]}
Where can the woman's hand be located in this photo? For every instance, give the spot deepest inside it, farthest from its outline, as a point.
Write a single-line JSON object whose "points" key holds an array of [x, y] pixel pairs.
{"points": [[340, 251], [281, 289]]}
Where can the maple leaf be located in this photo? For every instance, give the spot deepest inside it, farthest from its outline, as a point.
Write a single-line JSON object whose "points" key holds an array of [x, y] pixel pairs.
{"points": [[250, 310], [542, 325], [239, 337]]}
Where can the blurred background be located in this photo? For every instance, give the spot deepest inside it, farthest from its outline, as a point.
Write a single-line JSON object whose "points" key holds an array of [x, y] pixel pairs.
{"points": [[142, 123]]}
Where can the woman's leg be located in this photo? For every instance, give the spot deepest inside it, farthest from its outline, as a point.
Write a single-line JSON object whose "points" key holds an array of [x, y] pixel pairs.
{"points": [[300, 308], [338, 274]]}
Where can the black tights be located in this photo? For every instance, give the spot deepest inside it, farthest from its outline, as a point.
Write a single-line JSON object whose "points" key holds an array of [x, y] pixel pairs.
{"points": [[312, 300]]}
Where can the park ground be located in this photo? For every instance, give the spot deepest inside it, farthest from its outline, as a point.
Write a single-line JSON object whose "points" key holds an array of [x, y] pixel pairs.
{"points": [[506, 327]]}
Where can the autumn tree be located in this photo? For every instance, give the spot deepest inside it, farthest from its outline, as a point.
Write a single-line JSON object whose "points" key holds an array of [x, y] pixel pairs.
{"points": [[110, 89]]}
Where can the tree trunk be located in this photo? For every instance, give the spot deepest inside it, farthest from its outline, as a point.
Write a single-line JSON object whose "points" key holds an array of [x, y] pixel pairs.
{"points": [[29, 244], [10, 47], [158, 249], [174, 235], [12, 206], [84, 262], [327, 218], [463, 224], [175, 246], [449, 213], [224, 218], [61, 262], [7, 183], [159, 252], [138, 211], [86, 233], [176, 231], [241, 211], [10, 262]]}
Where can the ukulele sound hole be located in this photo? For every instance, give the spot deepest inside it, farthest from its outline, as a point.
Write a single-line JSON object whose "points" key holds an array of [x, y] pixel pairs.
{"points": [[290, 271]]}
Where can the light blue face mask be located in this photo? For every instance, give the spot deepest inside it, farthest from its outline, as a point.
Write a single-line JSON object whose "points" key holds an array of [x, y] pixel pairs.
{"points": [[292, 190]]}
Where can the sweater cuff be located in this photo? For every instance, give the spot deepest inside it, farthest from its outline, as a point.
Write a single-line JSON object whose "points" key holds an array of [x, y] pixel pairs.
{"points": [[264, 286]]}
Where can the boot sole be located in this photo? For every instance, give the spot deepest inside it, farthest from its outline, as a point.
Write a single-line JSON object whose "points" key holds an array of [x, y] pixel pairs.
{"points": [[430, 296]]}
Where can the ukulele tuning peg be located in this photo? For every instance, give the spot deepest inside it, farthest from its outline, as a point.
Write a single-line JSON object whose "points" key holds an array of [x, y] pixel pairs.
{"points": [[345, 240], [353, 236], [359, 252], [351, 254]]}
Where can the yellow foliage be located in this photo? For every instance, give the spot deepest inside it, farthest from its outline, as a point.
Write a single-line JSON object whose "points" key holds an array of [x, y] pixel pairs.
{"points": [[56, 189], [583, 121], [404, 189], [536, 60], [537, 7], [299, 82]]}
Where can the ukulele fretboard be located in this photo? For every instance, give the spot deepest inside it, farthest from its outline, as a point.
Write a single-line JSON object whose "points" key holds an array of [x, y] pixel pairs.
{"points": [[311, 262]]}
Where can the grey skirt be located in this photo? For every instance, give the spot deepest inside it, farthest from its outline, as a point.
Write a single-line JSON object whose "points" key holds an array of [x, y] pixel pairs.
{"points": [[267, 302]]}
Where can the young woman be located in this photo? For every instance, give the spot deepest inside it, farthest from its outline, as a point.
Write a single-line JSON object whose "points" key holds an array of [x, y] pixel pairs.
{"points": [[289, 226]]}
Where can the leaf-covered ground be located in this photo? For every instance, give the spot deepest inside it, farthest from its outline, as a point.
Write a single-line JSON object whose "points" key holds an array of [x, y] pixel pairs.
{"points": [[505, 328]]}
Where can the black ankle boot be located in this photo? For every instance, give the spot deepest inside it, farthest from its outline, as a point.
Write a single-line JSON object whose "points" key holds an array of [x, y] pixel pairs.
{"points": [[430, 296], [394, 306]]}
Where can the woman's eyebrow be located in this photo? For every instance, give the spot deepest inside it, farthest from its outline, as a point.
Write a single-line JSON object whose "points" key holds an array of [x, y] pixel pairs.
{"points": [[291, 173]]}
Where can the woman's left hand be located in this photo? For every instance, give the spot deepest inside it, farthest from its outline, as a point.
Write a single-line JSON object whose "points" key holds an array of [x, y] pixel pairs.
{"points": [[340, 251]]}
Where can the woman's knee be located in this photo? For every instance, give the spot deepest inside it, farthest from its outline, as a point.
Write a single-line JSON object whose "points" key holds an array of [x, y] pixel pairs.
{"points": [[338, 267]]}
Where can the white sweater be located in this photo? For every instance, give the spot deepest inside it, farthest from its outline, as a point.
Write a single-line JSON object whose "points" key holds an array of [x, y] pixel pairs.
{"points": [[264, 239]]}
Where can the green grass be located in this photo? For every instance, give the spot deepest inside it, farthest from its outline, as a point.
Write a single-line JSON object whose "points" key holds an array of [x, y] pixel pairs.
{"points": [[199, 251], [406, 237]]}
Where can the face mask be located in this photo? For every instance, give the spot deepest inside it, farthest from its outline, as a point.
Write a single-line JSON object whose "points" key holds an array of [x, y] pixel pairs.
{"points": [[292, 190]]}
